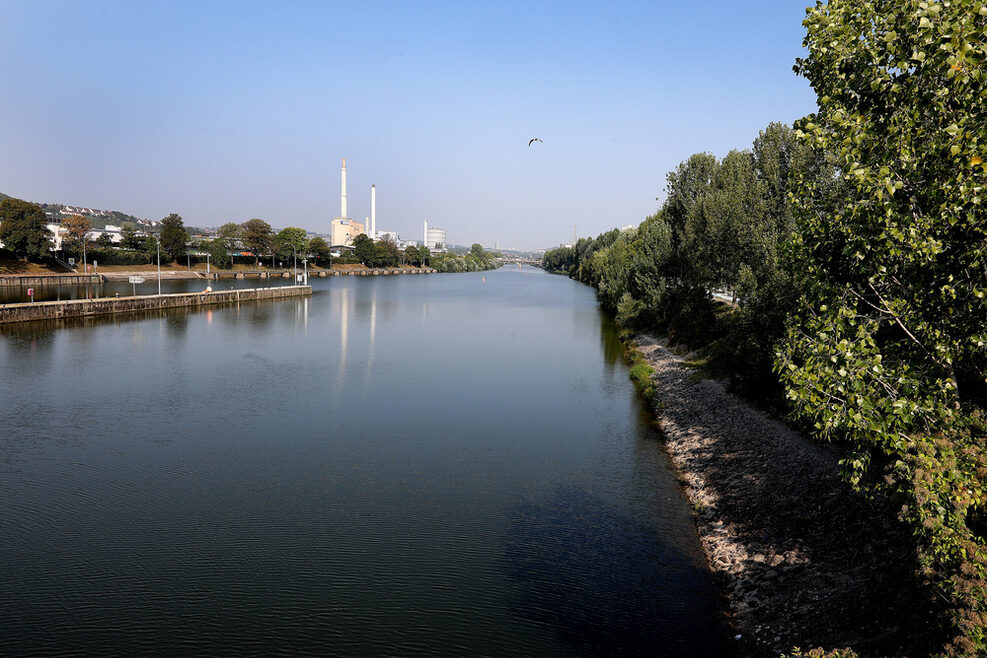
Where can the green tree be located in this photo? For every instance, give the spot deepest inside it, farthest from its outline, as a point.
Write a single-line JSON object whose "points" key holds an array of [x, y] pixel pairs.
{"points": [[363, 249], [290, 242], [230, 235], [174, 237], [257, 237], [24, 229], [319, 249], [129, 239], [412, 256], [230, 231], [219, 252], [104, 241], [887, 350], [392, 255], [477, 250], [382, 256]]}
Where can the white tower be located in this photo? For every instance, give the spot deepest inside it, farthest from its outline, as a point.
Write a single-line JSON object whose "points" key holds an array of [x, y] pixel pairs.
{"points": [[342, 196], [425, 236], [373, 212]]}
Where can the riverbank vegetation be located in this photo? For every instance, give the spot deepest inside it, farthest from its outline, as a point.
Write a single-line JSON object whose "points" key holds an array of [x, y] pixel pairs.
{"points": [[838, 269], [476, 260]]}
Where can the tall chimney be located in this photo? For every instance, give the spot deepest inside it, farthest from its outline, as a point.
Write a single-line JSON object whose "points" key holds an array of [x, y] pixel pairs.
{"points": [[425, 240], [342, 196], [373, 212]]}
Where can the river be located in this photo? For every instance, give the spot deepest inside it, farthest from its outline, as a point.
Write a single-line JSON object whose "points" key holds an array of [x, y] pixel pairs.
{"points": [[451, 464]]}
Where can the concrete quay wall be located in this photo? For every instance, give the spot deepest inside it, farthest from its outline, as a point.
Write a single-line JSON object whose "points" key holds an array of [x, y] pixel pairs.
{"points": [[77, 308], [42, 280]]}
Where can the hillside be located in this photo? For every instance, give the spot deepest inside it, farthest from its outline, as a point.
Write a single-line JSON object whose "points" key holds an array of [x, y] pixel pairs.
{"points": [[99, 218]]}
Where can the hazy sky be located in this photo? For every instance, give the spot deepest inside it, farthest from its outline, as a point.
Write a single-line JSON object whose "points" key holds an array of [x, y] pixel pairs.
{"points": [[226, 111]]}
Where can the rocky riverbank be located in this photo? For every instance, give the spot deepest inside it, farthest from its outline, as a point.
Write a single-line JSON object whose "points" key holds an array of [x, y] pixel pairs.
{"points": [[802, 560]]}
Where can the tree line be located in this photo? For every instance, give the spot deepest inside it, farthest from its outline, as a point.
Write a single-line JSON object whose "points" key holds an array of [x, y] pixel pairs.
{"points": [[839, 267], [477, 259], [24, 232]]}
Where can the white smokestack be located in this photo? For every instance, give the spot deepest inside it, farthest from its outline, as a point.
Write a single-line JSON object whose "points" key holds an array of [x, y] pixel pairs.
{"points": [[373, 212], [342, 196], [425, 240]]}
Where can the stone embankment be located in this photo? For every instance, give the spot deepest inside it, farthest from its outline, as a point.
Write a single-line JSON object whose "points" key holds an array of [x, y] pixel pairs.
{"points": [[77, 308], [802, 560], [42, 280]]}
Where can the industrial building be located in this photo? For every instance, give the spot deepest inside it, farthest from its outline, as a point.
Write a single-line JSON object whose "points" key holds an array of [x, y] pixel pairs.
{"points": [[435, 238]]}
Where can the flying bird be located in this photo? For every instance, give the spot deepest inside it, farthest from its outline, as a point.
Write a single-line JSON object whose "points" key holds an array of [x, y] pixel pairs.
{"points": [[533, 140]]}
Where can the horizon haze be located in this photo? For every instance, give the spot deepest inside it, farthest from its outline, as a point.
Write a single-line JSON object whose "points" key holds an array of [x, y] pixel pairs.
{"points": [[229, 111]]}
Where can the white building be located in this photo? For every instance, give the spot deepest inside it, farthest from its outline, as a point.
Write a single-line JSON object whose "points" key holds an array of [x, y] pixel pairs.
{"points": [[435, 238]]}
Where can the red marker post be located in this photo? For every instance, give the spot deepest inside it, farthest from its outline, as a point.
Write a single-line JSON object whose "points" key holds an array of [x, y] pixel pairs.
{"points": [[30, 293]]}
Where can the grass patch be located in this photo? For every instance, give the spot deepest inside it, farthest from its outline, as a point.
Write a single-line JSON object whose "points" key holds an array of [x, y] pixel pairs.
{"points": [[640, 373]]}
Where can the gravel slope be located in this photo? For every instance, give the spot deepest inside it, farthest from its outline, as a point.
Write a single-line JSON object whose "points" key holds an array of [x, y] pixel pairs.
{"points": [[802, 560]]}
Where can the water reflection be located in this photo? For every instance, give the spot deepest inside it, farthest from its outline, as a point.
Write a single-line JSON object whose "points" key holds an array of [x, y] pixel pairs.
{"points": [[230, 311], [605, 581], [226, 480], [613, 348], [343, 310], [373, 337]]}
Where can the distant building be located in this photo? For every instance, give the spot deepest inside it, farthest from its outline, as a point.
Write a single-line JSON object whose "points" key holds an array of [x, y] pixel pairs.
{"points": [[435, 238], [115, 233], [344, 231], [57, 235]]}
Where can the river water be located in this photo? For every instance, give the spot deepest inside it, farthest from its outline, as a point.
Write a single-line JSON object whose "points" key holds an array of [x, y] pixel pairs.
{"points": [[451, 464]]}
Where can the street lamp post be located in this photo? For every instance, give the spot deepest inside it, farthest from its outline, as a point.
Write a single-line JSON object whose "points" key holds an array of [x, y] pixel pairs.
{"points": [[85, 267], [157, 240]]}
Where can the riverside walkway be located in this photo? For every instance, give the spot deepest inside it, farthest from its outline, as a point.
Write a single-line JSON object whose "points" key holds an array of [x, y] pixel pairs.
{"points": [[77, 308]]}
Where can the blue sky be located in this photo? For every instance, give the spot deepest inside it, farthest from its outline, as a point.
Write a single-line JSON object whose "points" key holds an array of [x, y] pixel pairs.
{"points": [[227, 111]]}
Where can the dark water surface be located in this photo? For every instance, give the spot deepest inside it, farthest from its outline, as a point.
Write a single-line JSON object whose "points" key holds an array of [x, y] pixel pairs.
{"points": [[447, 464]]}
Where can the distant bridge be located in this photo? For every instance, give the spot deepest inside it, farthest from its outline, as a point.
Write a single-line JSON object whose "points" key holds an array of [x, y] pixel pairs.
{"points": [[534, 262]]}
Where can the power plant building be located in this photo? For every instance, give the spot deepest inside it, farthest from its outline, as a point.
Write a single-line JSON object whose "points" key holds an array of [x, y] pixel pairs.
{"points": [[344, 229], [435, 238]]}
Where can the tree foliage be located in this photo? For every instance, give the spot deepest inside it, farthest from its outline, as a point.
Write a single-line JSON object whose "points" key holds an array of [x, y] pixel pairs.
{"points": [[219, 253], [363, 249], [257, 236], [887, 350], [174, 237], [290, 241], [77, 230], [469, 262], [413, 255], [852, 252], [319, 249], [129, 238], [24, 229], [104, 241]]}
